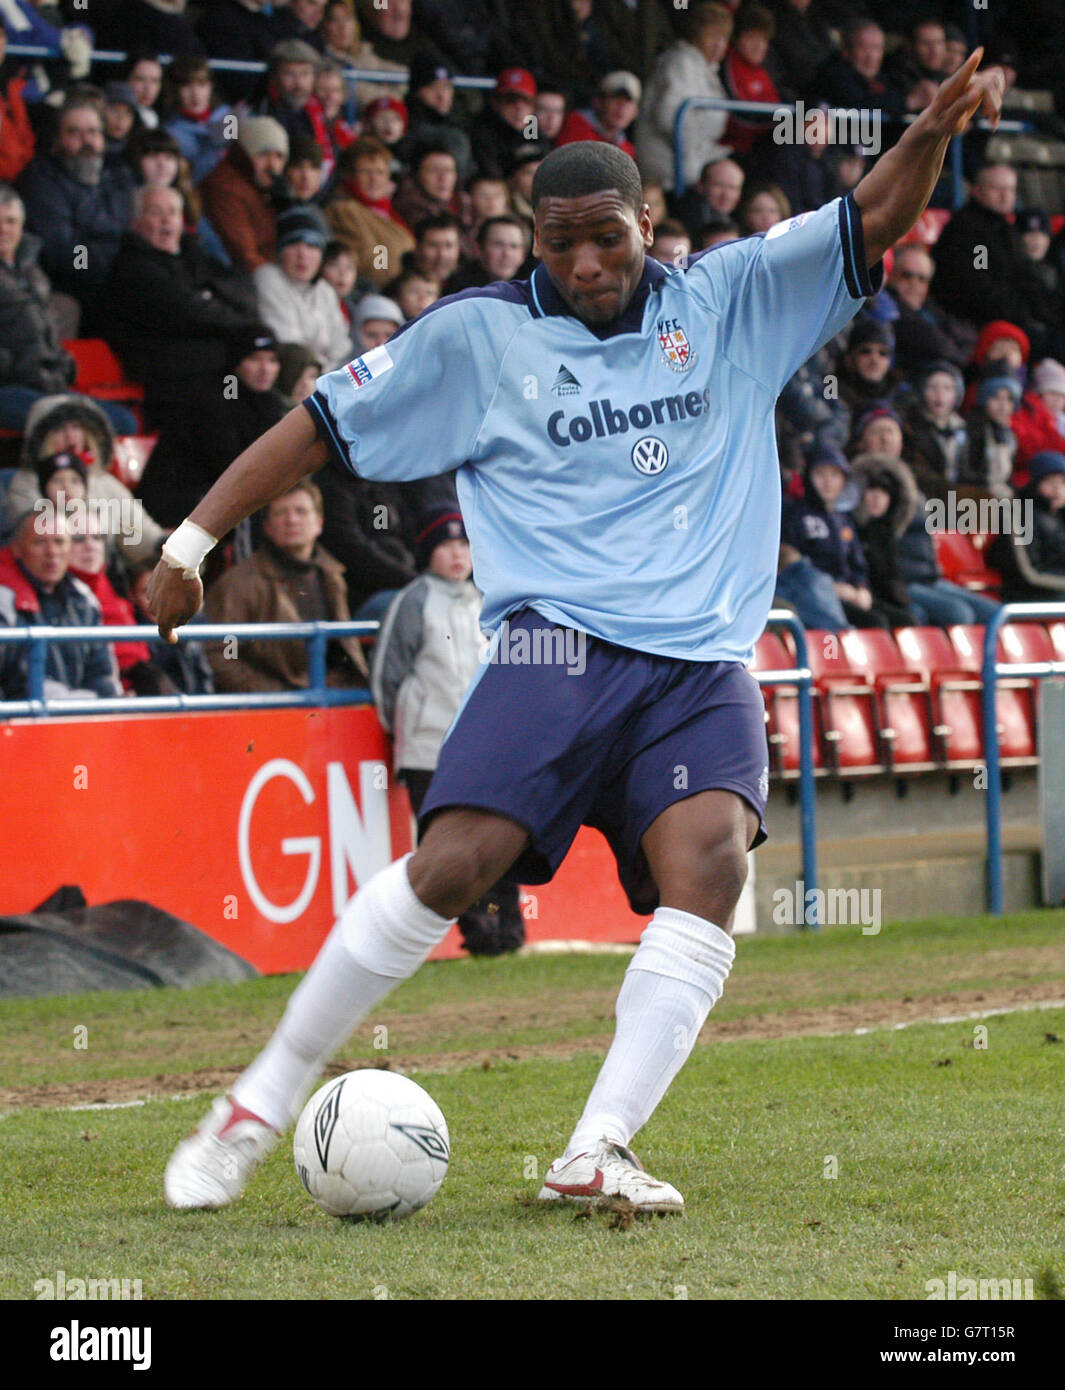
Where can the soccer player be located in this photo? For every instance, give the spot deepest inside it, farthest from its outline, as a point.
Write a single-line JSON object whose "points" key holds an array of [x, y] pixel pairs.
{"points": [[612, 423]]}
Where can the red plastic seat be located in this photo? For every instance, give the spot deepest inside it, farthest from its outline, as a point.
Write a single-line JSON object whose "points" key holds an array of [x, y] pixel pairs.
{"points": [[782, 708], [132, 452], [905, 701], [848, 706], [100, 373], [957, 730], [1057, 638], [962, 559], [1014, 698]]}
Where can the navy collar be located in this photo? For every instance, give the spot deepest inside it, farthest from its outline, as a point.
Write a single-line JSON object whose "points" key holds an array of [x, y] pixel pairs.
{"points": [[546, 300]]}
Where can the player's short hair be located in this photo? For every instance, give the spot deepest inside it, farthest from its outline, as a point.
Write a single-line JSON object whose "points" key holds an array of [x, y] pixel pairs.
{"points": [[587, 166]]}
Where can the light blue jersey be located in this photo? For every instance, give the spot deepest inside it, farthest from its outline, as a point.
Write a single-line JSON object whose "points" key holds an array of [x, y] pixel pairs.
{"points": [[622, 481]]}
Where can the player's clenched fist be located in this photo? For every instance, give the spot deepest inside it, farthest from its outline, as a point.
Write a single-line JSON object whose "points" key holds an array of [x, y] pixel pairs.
{"points": [[173, 599]]}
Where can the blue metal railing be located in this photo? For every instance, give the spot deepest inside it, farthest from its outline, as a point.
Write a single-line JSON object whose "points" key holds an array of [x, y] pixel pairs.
{"points": [[771, 108], [992, 672], [318, 694], [392, 77]]}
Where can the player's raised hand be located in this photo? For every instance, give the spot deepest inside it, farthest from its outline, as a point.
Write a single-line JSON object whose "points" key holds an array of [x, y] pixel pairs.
{"points": [[172, 599], [961, 96]]}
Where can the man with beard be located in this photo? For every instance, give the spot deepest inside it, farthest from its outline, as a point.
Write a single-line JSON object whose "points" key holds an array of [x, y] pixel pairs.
{"points": [[78, 206]]}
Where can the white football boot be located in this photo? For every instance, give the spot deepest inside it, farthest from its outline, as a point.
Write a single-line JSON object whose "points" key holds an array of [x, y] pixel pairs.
{"points": [[211, 1167], [609, 1170]]}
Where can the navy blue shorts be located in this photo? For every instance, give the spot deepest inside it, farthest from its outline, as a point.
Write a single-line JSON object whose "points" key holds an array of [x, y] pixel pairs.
{"points": [[611, 745]]}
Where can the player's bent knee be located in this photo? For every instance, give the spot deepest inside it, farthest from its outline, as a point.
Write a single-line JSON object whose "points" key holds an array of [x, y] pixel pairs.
{"points": [[463, 854]]}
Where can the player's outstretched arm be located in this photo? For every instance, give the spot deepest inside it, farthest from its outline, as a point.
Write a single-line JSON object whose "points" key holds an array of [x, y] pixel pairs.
{"points": [[274, 463], [896, 190]]}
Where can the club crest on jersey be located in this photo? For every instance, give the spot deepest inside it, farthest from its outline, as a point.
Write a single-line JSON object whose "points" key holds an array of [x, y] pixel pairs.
{"points": [[370, 366], [677, 352]]}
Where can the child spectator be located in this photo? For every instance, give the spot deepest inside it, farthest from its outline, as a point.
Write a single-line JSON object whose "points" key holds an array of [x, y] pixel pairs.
{"points": [[1035, 420], [198, 119], [299, 373], [992, 443], [121, 119], [1034, 572], [377, 318], [385, 119], [745, 75], [337, 110], [340, 269], [427, 653], [414, 291], [886, 507], [145, 77], [935, 601], [939, 442], [304, 171]]}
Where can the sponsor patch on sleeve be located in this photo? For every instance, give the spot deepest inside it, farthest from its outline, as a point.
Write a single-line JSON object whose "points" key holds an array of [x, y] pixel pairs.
{"points": [[368, 368], [787, 226]]}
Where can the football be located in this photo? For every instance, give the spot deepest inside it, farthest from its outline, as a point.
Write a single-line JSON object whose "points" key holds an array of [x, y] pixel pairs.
{"points": [[371, 1146]]}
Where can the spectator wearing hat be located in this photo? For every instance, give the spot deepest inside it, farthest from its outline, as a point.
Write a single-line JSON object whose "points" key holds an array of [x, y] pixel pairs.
{"points": [[361, 213], [194, 451], [173, 311], [385, 118], [992, 443], [73, 198], [504, 125], [887, 503], [688, 68], [17, 138], [814, 527], [866, 376], [241, 29], [76, 425], [290, 98], [37, 589], [430, 106], [428, 651], [121, 120], [1048, 308], [376, 319], [614, 107], [502, 247], [197, 118], [939, 440], [745, 76], [432, 188], [924, 333], [294, 302], [1033, 565], [1036, 420], [290, 577], [239, 194]]}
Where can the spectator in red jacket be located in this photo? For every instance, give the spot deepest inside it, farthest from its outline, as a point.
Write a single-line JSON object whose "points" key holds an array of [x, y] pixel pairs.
{"points": [[745, 76], [17, 141], [614, 108], [1037, 419]]}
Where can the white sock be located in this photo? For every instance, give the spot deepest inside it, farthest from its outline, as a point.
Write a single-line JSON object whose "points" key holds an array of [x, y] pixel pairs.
{"points": [[381, 938], [674, 979]]}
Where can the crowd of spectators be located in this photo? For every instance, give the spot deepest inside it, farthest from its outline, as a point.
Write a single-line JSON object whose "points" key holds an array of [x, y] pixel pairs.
{"points": [[233, 234]]}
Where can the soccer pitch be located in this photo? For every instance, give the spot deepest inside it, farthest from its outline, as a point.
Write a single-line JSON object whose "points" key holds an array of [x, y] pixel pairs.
{"points": [[822, 1151]]}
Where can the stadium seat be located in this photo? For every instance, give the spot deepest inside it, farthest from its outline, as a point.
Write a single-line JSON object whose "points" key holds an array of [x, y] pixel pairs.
{"points": [[132, 452], [782, 709], [962, 560], [848, 707], [1057, 638], [958, 730], [1014, 699], [905, 700], [100, 373]]}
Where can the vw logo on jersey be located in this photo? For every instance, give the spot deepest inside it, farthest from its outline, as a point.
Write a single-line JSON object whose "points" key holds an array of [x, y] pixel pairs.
{"points": [[649, 456]]}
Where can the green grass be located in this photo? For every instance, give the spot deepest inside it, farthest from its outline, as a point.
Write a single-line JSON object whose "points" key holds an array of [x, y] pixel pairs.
{"points": [[949, 1155]]}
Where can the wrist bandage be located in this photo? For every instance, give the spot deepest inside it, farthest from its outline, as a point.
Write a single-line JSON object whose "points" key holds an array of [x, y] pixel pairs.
{"points": [[187, 548]]}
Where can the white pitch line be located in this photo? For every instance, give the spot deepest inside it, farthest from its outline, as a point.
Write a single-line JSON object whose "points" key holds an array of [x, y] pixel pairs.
{"points": [[958, 1018]]}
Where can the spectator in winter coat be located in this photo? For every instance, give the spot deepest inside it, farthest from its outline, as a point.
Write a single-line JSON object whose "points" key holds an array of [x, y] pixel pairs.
{"points": [[939, 442], [294, 302], [37, 590], [194, 451], [429, 103], [888, 501], [78, 425], [198, 120], [992, 443], [503, 127], [156, 160], [290, 578], [1036, 421], [853, 78], [239, 195], [73, 198], [1033, 569], [17, 140], [361, 211], [614, 108], [827, 538], [121, 120], [432, 188], [502, 246], [866, 377], [689, 68], [173, 312], [427, 653], [935, 601], [377, 318], [716, 195], [924, 333], [290, 98], [746, 78], [32, 361]]}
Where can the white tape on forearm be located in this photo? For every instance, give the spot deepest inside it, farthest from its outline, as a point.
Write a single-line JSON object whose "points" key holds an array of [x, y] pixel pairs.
{"points": [[187, 548]]}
